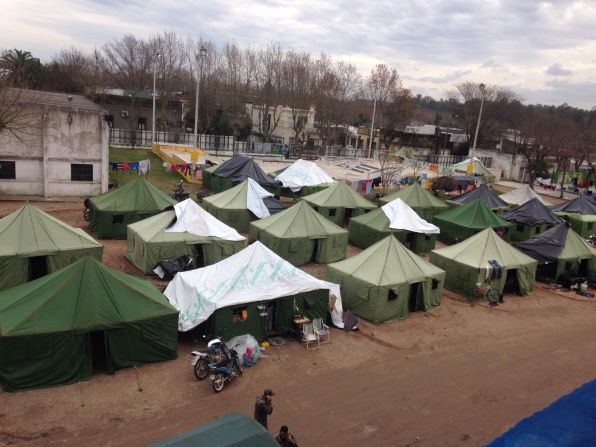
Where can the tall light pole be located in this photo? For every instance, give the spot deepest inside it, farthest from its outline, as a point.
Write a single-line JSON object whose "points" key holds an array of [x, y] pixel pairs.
{"points": [[200, 57], [157, 55], [372, 129], [482, 88]]}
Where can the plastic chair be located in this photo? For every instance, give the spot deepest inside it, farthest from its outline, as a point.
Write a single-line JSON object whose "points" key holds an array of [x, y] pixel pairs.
{"points": [[321, 329], [309, 335]]}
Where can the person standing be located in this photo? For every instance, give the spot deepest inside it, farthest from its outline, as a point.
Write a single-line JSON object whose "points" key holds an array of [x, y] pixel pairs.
{"points": [[264, 407], [285, 438]]}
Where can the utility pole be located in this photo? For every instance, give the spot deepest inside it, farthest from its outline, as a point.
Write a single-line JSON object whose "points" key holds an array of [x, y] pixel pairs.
{"points": [[372, 129], [157, 55]]}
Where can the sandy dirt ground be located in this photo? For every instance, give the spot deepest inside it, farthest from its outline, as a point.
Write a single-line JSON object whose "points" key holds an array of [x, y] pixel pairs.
{"points": [[457, 376]]}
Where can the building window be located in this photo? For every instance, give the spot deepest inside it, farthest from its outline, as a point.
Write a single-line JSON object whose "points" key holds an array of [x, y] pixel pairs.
{"points": [[332, 212], [520, 228], [110, 120], [239, 314], [81, 173], [435, 284], [142, 123], [391, 296], [118, 218], [7, 170], [590, 225]]}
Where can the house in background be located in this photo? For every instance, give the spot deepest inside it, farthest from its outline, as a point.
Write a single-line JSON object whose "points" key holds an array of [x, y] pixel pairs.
{"points": [[279, 120], [62, 150]]}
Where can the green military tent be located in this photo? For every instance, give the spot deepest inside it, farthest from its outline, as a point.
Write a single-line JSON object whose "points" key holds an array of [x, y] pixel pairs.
{"points": [[33, 244], [530, 219], [303, 178], [560, 250], [464, 221], [112, 211], [300, 235], [424, 202], [242, 204], [232, 430], [396, 218], [478, 169], [490, 199], [387, 282], [54, 330], [339, 203], [186, 230], [467, 264], [252, 292], [580, 213]]}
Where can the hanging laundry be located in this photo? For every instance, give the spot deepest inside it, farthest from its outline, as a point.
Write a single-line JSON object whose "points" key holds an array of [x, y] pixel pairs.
{"points": [[133, 166], [144, 166]]}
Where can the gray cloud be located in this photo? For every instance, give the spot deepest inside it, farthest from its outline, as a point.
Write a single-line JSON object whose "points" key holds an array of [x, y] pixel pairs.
{"points": [[557, 70]]}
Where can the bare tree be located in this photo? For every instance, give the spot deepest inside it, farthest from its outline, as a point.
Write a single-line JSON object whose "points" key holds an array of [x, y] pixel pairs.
{"points": [[390, 167]]}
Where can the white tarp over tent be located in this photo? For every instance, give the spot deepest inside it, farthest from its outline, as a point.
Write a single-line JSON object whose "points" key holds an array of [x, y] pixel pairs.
{"points": [[255, 194], [191, 218], [253, 274], [402, 217], [303, 173], [521, 195]]}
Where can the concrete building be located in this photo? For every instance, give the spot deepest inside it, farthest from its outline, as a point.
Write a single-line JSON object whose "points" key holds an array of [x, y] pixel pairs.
{"points": [[281, 120], [62, 150]]}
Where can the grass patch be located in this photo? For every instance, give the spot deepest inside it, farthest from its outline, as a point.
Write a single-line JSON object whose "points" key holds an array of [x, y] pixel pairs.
{"points": [[158, 176]]}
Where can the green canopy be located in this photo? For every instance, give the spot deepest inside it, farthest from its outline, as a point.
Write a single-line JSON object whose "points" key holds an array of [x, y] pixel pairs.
{"points": [[339, 203], [370, 228], [387, 281], [148, 243], [232, 430], [112, 211], [464, 221], [425, 203], [300, 235], [53, 329], [33, 243], [466, 264]]}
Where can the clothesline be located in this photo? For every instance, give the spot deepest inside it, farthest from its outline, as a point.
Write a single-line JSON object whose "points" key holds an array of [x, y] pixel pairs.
{"points": [[141, 166]]}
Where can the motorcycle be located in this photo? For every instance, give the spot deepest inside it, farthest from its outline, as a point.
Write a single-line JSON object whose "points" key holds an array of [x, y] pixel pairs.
{"points": [[222, 374], [178, 192], [213, 354], [86, 210]]}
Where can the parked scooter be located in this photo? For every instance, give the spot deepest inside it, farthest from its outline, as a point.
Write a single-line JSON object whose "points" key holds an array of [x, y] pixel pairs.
{"points": [[178, 192], [222, 374], [215, 353]]}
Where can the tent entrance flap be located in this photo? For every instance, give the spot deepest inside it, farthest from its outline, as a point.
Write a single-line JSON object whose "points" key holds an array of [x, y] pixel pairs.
{"points": [[38, 267], [199, 255], [315, 251], [346, 217], [512, 283], [583, 268], [98, 352], [415, 300], [547, 272]]}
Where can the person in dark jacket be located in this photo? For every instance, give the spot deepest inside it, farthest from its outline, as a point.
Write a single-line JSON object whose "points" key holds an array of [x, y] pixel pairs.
{"points": [[264, 407], [285, 438]]}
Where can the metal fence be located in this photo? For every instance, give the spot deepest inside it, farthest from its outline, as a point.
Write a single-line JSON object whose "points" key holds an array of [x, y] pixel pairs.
{"points": [[448, 160]]}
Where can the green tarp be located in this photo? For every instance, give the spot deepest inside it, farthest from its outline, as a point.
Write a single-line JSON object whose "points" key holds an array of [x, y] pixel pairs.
{"points": [[339, 203], [370, 228], [46, 326], [425, 203], [387, 281], [33, 243], [232, 430], [300, 235], [464, 221], [466, 264], [148, 243], [112, 211]]}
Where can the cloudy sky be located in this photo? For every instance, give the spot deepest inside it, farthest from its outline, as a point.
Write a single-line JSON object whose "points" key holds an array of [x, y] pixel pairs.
{"points": [[543, 50]]}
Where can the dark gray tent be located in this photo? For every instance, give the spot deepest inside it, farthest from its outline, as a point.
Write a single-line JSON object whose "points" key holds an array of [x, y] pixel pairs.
{"points": [[236, 170], [559, 250], [492, 201], [579, 205], [580, 213], [530, 219]]}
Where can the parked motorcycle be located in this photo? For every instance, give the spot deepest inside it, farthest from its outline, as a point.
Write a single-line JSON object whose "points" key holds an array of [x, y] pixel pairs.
{"points": [[86, 210], [215, 353], [222, 374], [178, 192]]}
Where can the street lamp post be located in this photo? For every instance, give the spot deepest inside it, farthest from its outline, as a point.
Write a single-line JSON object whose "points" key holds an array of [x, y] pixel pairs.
{"points": [[200, 57], [482, 88], [372, 129], [157, 55]]}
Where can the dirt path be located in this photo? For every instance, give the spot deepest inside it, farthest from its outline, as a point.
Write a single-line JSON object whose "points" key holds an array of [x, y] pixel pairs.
{"points": [[457, 376]]}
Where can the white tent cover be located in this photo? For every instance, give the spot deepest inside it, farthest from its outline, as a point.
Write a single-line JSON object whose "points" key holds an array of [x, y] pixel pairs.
{"points": [[402, 217], [255, 194], [521, 195], [193, 219], [253, 274], [303, 173]]}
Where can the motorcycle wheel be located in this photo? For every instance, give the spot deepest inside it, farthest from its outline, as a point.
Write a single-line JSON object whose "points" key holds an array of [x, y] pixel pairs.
{"points": [[218, 382], [201, 369]]}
